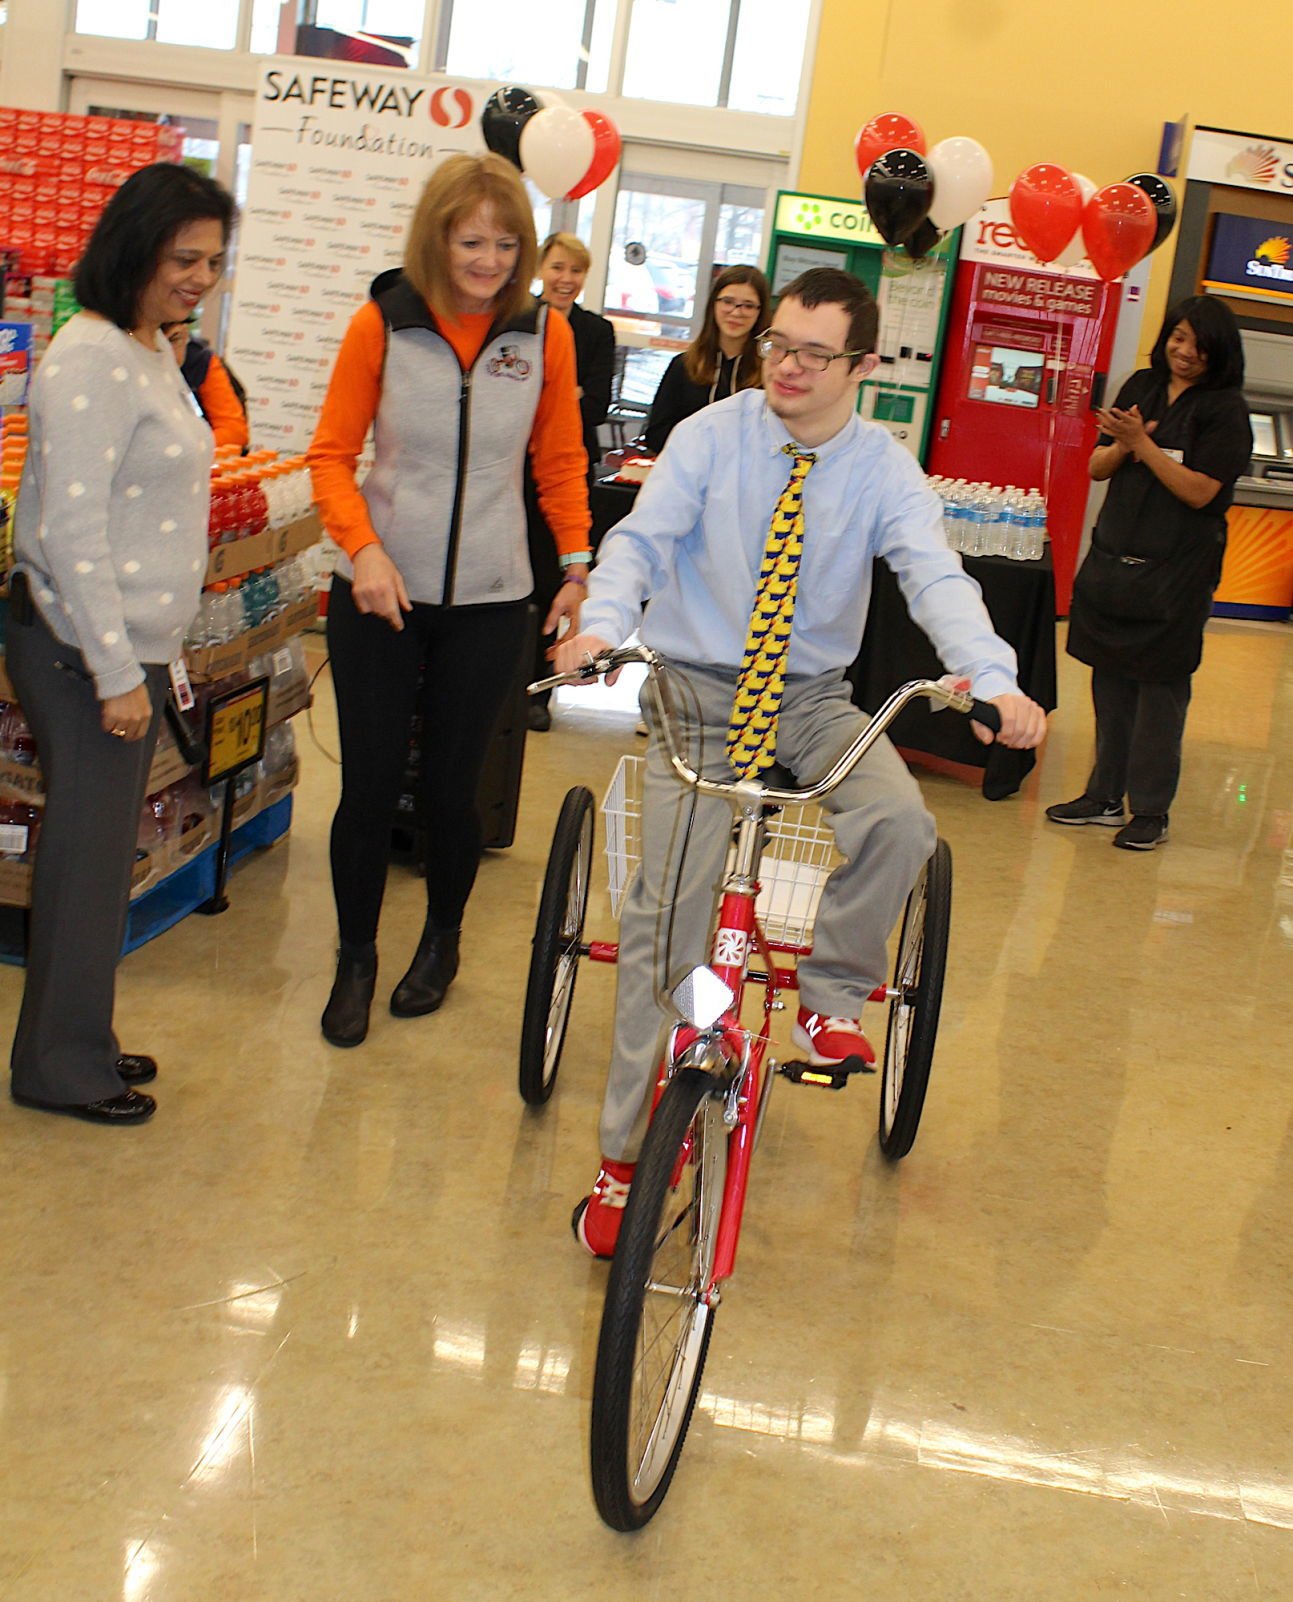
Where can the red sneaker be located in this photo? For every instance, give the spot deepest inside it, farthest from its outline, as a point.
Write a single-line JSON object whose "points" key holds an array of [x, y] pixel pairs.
{"points": [[596, 1221], [827, 1041]]}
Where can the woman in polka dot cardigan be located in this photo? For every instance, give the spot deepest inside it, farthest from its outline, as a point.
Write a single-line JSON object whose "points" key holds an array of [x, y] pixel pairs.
{"points": [[110, 547]]}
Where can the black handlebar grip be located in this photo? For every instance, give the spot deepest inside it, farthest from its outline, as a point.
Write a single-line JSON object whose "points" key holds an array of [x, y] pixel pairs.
{"points": [[984, 712]]}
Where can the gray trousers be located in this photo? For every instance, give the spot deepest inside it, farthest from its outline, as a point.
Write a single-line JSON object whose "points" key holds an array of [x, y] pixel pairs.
{"points": [[881, 828], [64, 1050]]}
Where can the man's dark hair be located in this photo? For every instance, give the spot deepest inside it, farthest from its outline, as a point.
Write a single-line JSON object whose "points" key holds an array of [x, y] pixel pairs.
{"points": [[1216, 333], [133, 231], [830, 286]]}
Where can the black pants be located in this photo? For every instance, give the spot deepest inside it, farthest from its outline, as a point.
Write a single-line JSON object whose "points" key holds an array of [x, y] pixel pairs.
{"points": [[64, 1049], [1138, 731], [546, 568], [471, 655]]}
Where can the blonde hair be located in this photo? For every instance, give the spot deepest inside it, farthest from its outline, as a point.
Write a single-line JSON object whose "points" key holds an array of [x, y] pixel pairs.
{"points": [[574, 247], [458, 188]]}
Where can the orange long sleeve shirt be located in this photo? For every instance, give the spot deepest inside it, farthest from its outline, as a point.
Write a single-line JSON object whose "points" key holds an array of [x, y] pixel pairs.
{"points": [[354, 393], [221, 407]]}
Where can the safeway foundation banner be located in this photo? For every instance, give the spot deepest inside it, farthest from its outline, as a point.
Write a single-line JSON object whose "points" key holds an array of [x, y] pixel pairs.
{"points": [[339, 158]]}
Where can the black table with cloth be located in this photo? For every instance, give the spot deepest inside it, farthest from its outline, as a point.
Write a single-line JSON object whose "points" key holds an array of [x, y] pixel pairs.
{"points": [[1020, 597]]}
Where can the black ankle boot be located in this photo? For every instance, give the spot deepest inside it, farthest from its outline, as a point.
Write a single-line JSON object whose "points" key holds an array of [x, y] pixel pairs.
{"points": [[430, 974], [345, 1018]]}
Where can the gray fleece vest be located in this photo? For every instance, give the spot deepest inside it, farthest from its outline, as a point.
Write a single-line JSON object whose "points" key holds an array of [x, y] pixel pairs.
{"points": [[445, 491]]}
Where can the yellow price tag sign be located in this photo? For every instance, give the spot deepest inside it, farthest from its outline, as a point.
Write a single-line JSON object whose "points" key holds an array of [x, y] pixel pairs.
{"points": [[236, 729]]}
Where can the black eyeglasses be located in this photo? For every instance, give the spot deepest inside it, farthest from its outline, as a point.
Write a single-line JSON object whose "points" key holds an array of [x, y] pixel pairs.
{"points": [[736, 305], [812, 358]]}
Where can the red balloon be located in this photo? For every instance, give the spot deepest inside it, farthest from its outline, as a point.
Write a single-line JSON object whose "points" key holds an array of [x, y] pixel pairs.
{"points": [[606, 152], [889, 131], [1045, 208], [1118, 228]]}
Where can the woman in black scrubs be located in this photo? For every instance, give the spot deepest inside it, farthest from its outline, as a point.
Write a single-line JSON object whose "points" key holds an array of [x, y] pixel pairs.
{"points": [[1171, 447], [721, 359]]}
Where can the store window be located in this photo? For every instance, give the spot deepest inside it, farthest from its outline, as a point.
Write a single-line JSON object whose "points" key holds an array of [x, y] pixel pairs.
{"points": [[767, 57], [668, 238], [212, 24], [743, 54], [331, 27], [655, 256], [569, 50]]}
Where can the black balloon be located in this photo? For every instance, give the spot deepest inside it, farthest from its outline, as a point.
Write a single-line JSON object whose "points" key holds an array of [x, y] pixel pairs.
{"points": [[1163, 201], [922, 239], [898, 191], [506, 112]]}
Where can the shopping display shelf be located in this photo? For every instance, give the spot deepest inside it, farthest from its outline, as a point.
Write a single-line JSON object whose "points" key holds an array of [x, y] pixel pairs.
{"points": [[179, 894]]}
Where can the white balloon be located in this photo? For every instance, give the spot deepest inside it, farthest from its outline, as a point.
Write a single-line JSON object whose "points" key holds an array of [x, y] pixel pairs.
{"points": [[962, 172], [557, 148], [1075, 251]]}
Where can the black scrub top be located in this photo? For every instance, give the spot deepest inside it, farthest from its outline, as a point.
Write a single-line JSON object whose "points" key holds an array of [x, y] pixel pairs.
{"points": [[1142, 518], [677, 397]]}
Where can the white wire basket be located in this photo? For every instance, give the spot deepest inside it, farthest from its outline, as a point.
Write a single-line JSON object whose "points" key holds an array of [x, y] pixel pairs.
{"points": [[797, 861]]}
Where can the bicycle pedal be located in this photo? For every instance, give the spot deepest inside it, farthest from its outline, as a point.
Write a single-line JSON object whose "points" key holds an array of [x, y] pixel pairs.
{"points": [[828, 1077]]}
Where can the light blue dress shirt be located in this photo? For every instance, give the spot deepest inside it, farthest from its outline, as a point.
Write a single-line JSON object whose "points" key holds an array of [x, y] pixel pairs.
{"points": [[689, 551]]}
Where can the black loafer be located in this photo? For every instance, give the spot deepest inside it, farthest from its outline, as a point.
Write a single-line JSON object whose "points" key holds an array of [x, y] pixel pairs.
{"points": [[423, 987], [136, 1070], [130, 1107]]}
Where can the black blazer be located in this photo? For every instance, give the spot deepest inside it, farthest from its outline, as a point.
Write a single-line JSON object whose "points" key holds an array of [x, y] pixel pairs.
{"points": [[594, 368]]}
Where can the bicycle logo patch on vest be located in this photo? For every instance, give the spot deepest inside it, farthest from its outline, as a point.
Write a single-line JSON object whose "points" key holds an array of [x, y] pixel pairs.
{"points": [[509, 363]]}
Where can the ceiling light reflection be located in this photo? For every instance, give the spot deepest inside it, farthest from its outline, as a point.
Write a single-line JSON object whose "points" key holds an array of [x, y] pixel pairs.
{"points": [[1093, 1472], [459, 1345], [140, 1571], [252, 1306], [230, 1430], [813, 1424], [542, 1369]]}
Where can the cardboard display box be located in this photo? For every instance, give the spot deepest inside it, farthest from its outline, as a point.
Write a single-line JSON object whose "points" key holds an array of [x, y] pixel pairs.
{"points": [[263, 550]]}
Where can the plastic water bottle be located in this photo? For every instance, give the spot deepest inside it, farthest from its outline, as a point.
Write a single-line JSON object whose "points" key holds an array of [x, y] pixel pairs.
{"points": [[1015, 524], [1037, 532], [995, 531], [979, 521], [947, 492]]}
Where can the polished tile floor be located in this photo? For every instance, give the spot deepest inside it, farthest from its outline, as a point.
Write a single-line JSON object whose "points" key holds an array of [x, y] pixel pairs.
{"points": [[319, 1333]]}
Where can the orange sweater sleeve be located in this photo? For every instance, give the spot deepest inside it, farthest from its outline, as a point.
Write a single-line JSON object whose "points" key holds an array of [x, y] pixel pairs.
{"points": [[349, 407], [557, 443], [222, 408]]}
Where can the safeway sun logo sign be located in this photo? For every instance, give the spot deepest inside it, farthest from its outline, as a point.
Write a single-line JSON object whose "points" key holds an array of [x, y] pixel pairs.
{"points": [[1274, 250], [450, 108], [1255, 165]]}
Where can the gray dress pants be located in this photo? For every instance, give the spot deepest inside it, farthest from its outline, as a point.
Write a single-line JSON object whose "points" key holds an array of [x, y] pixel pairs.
{"points": [[880, 825], [64, 1050]]}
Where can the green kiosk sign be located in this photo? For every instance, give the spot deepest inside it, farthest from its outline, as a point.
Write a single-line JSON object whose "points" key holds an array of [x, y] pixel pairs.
{"points": [[825, 231]]}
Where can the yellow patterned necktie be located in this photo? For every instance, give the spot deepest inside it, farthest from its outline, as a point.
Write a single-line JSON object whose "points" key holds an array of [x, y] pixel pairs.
{"points": [[761, 683]]}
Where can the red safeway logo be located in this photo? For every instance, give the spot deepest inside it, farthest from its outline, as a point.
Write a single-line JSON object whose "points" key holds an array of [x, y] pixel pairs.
{"points": [[450, 108]]}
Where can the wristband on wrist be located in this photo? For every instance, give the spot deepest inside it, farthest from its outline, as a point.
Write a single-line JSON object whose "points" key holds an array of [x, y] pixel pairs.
{"points": [[575, 578], [576, 559]]}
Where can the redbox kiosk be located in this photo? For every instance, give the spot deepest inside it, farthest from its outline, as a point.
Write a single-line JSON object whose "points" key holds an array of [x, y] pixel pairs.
{"points": [[1025, 358]]}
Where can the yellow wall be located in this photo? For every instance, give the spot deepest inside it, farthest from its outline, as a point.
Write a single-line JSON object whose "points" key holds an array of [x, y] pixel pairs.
{"points": [[1087, 84]]}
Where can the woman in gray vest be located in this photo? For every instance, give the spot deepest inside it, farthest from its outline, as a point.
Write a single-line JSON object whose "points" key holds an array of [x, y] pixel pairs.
{"points": [[460, 373]]}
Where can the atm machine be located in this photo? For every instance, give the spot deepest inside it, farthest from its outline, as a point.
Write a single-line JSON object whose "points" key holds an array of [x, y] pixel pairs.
{"points": [[1257, 575]]}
